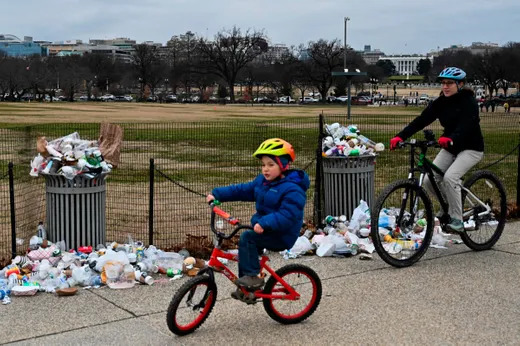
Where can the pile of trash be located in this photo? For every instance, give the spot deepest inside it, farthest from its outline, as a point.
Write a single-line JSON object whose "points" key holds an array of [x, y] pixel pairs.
{"points": [[48, 267], [343, 238], [348, 141], [69, 156]]}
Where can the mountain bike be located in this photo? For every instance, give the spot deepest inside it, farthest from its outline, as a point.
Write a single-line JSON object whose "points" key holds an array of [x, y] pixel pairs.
{"points": [[290, 295], [402, 219]]}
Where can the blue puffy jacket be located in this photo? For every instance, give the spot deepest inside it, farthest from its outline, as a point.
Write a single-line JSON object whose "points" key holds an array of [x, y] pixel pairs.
{"points": [[279, 204]]}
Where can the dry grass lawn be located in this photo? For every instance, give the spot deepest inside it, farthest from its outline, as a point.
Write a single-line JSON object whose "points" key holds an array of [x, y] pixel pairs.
{"points": [[82, 112]]}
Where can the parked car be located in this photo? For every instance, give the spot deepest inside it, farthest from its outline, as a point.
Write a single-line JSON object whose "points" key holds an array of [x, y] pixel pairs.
{"points": [[341, 99], [170, 98], [331, 99], [263, 100], [152, 98], [124, 98], [308, 99], [107, 97], [286, 99]]}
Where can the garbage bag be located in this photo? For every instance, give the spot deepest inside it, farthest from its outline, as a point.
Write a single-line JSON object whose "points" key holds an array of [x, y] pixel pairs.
{"points": [[301, 246]]}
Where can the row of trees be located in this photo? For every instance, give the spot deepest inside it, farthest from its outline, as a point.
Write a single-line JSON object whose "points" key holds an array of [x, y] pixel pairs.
{"points": [[233, 59]]}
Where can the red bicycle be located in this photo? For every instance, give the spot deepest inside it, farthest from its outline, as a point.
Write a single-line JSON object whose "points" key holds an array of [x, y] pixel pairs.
{"points": [[290, 295]]}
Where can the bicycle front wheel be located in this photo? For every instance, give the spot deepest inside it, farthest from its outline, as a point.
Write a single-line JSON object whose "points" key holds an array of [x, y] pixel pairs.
{"points": [[191, 305], [484, 210], [402, 223], [306, 283]]}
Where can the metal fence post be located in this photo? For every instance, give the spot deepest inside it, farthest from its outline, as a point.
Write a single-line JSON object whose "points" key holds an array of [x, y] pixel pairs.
{"points": [[518, 179], [319, 181], [12, 205], [150, 210]]}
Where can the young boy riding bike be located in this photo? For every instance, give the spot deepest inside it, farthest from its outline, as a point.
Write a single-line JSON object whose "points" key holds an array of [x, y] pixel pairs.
{"points": [[462, 141], [280, 199]]}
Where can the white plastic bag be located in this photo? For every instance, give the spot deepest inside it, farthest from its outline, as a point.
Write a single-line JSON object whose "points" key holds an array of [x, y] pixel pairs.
{"points": [[360, 215], [36, 165], [301, 246]]}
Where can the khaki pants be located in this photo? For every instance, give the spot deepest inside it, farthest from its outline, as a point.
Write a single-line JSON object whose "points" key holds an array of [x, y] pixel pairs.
{"points": [[454, 167]]}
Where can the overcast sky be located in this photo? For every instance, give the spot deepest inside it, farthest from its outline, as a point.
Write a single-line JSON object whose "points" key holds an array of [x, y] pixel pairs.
{"points": [[393, 26]]}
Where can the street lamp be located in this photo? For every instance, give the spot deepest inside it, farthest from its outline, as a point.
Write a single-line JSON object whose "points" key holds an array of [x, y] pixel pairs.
{"points": [[345, 44], [346, 72]]}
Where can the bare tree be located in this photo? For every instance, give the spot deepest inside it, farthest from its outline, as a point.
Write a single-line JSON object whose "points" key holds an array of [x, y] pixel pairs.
{"points": [[231, 51], [145, 56]]}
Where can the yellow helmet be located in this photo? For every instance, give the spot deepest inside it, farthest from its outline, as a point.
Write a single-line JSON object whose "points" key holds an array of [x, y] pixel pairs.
{"points": [[275, 147]]}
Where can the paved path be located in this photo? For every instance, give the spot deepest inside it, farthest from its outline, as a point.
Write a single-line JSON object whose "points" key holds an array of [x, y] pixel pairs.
{"points": [[454, 296]]}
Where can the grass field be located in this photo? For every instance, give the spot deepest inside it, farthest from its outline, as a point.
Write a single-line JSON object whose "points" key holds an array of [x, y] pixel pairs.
{"points": [[200, 146]]}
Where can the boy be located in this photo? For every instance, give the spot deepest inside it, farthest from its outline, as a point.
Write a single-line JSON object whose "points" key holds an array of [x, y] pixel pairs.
{"points": [[280, 198]]}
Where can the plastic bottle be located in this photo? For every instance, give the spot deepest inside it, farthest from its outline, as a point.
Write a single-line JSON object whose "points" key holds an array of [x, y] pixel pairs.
{"points": [[41, 233], [366, 142], [331, 220]]}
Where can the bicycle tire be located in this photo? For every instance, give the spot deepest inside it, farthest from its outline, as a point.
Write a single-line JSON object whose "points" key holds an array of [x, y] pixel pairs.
{"points": [[470, 237], [273, 306], [209, 294], [377, 238]]}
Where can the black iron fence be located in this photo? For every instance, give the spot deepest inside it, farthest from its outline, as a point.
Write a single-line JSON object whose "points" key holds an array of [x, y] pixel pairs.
{"points": [[189, 159]]}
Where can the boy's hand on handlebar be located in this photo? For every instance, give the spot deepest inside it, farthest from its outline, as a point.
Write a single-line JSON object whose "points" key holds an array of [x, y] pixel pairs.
{"points": [[210, 198], [445, 142], [258, 229], [394, 142]]}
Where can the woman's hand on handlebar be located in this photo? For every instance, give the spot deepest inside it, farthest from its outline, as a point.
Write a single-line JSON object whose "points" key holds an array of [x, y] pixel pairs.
{"points": [[394, 142], [258, 229]]}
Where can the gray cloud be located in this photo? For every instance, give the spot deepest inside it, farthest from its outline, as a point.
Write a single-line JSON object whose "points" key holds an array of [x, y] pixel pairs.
{"points": [[398, 26]]}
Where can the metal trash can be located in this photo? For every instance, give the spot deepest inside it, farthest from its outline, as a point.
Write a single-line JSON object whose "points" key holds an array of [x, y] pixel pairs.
{"points": [[76, 210], [347, 180]]}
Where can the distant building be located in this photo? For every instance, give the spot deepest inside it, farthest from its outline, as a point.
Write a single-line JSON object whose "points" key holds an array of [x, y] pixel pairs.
{"points": [[370, 56], [13, 46], [475, 48], [121, 52], [273, 54], [406, 64]]}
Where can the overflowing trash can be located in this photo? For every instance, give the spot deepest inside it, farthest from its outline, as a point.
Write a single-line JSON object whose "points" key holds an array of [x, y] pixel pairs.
{"points": [[346, 181], [76, 209]]}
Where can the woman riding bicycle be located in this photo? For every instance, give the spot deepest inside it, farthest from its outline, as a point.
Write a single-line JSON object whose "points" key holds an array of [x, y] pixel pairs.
{"points": [[462, 142]]}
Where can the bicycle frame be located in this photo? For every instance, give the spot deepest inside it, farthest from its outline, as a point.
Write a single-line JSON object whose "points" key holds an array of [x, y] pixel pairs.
{"points": [[214, 264], [427, 167]]}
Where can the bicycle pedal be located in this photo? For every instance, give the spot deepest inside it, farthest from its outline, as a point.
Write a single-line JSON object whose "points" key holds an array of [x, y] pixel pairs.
{"points": [[249, 299]]}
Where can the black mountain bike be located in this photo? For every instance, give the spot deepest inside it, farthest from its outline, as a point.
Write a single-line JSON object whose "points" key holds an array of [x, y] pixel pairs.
{"points": [[402, 219]]}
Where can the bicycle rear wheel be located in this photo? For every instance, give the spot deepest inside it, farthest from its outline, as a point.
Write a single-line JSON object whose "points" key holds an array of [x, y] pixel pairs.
{"points": [[308, 285], [396, 231], [191, 305], [484, 230]]}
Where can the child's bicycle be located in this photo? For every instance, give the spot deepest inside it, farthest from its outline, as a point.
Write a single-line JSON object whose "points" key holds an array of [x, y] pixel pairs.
{"points": [[290, 295], [396, 237]]}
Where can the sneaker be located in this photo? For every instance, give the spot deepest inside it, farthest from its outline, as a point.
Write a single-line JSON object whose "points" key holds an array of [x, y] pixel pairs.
{"points": [[250, 282], [238, 294], [456, 225]]}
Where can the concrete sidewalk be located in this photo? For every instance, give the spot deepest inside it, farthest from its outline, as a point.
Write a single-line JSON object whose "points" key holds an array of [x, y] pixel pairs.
{"points": [[453, 296]]}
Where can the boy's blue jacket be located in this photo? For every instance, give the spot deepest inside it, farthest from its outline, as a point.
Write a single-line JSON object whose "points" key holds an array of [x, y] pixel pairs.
{"points": [[279, 204]]}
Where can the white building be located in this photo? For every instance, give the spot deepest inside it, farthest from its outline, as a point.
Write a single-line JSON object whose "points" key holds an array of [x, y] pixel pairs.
{"points": [[406, 64]]}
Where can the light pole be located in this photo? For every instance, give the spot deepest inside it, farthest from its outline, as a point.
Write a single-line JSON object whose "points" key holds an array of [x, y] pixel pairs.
{"points": [[346, 72], [345, 44]]}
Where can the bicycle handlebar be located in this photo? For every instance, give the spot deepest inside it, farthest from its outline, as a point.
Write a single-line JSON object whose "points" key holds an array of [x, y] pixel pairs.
{"points": [[215, 210], [429, 141]]}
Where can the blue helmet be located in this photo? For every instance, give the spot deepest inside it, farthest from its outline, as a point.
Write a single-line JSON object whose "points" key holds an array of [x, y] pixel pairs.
{"points": [[452, 73]]}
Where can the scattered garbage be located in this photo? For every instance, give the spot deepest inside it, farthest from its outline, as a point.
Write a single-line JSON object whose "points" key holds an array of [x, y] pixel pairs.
{"points": [[51, 267], [341, 237], [69, 156], [347, 141]]}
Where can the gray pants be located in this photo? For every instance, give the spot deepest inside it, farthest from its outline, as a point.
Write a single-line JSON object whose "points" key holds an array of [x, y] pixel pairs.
{"points": [[454, 167]]}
